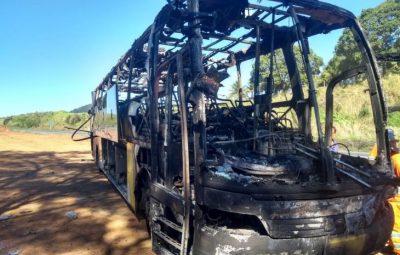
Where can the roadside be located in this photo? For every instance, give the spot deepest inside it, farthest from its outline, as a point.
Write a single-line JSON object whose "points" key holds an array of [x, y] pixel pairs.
{"points": [[54, 201]]}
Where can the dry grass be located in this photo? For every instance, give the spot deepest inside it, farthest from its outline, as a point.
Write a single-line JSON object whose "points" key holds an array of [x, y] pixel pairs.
{"points": [[353, 116], [25, 141]]}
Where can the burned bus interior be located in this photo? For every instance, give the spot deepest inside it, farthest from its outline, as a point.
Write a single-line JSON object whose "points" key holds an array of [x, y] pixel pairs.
{"points": [[249, 175]]}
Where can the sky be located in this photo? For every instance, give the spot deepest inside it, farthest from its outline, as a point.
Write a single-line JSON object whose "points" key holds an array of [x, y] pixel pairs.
{"points": [[53, 53]]}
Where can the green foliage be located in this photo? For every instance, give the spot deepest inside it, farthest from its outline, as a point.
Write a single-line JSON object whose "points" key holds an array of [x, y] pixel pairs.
{"points": [[234, 91], [341, 118], [352, 112], [46, 120], [364, 111], [382, 25], [394, 119], [31, 120], [346, 56], [316, 63], [6, 120], [73, 119], [281, 79]]}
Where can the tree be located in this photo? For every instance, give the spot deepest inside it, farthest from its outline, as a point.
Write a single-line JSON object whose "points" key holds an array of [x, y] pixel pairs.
{"points": [[281, 78], [7, 120], [73, 119], [382, 25], [346, 56], [234, 91]]}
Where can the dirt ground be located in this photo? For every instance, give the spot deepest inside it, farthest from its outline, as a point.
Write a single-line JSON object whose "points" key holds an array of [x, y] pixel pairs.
{"points": [[45, 177]]}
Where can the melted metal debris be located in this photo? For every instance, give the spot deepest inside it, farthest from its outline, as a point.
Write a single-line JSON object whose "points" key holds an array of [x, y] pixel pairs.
{"points": [[261, 165], [13, 252], [228, 249], [243, 235], [5, 217], [226, 171], [212, 231], [252, 170]]}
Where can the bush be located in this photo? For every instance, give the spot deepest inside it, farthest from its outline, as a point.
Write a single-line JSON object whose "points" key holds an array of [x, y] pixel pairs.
{"points": [[364, 111], [46, 120], [340, 118], [31, 120], [73, 119], [394, 119]]}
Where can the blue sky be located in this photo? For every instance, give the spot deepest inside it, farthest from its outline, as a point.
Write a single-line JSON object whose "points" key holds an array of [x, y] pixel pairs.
{"points": [[54, 52]]}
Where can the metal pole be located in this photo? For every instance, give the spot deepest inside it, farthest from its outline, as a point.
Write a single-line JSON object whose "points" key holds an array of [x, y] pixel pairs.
{"points": [[185, 158], [167, 123], [310, 79], [153, 104], [239, 81], [270, 83], [130, 76], [199, 113], [256, 86]]}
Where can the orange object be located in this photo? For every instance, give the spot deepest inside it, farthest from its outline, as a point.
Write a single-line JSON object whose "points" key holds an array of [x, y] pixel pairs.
{"points": [[374, 152], [396, 163], [395, 236], [395, 203]]}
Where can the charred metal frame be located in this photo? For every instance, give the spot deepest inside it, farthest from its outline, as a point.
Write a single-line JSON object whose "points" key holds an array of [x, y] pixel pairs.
{"points": [[329, 99], [216, 176]]}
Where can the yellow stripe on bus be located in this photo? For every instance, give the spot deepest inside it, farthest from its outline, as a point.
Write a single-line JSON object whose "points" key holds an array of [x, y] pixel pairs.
{"points": [[131, 173]]}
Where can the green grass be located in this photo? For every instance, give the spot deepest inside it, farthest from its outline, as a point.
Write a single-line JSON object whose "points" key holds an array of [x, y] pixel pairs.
{"points": [[394, 119]]}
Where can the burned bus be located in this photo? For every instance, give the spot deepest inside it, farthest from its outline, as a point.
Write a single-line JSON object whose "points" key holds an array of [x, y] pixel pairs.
{"points": [[249, 174]]}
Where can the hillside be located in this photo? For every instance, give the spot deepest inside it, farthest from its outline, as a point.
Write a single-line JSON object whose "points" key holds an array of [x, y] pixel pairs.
{"points": [[44, 120], [353, 114], [84, 108]]}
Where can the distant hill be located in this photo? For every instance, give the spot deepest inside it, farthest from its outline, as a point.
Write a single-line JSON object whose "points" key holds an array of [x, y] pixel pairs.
{"points": [[84, 108], [45, 120]]}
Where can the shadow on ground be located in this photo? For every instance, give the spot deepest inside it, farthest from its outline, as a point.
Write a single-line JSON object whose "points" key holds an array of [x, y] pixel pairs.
{"points": [[37, 189]]}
